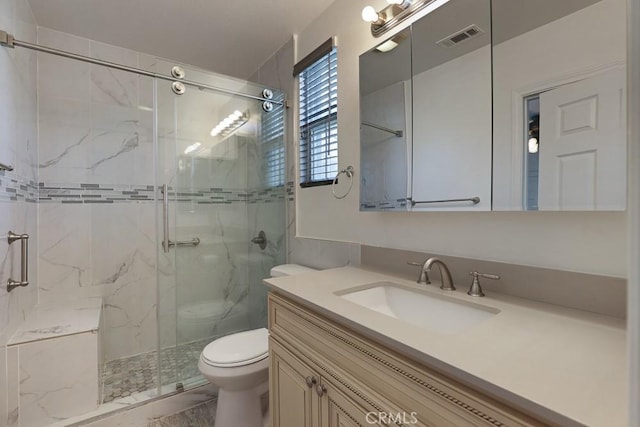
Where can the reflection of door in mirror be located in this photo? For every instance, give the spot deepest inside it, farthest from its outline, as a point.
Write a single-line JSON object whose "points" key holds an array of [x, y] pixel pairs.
{"points": [[570, 56], [582, 145], [385, 124], [452, 107]]}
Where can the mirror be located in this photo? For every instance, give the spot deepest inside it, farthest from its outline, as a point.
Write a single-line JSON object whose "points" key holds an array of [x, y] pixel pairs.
{"points": [[521, 104], [452, 107], [559, 140], [385, 124]]}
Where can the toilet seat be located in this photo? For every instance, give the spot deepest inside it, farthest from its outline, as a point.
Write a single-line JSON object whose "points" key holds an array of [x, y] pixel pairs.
{"points": [[239, 349]]}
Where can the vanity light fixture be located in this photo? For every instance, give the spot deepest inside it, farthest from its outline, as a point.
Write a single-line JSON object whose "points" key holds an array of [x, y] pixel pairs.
{"points": [[369, 14], [533, 145], [396, 12], [230, 124]]}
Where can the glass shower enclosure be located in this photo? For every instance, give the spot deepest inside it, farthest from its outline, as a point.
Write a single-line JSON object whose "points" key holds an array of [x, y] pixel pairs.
{"points": [[162, 196], [220, 173]]}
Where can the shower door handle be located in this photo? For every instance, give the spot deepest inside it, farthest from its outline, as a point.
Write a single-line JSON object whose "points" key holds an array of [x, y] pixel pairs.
{"points": [[24, 262], [165, 217]]}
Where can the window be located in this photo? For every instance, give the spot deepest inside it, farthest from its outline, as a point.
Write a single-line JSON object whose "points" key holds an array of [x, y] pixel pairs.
{"points": [[318, 115], [272, 144]]}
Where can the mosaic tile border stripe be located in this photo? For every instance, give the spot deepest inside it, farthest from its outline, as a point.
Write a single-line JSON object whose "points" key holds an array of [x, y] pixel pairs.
{"points": [[118, 193], [291, 191], [14, 188]]}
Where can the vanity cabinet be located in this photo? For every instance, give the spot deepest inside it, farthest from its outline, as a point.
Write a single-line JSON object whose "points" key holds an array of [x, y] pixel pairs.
{"points": [[324, 374], [302, 397]]}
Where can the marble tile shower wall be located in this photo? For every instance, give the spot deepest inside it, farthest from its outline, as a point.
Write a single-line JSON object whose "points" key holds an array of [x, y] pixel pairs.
{"points": [[97, 234], [97, 200], [18, 210]]}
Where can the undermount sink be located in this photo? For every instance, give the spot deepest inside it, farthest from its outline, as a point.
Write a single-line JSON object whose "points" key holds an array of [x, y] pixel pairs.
{"points": [[438, 313]]}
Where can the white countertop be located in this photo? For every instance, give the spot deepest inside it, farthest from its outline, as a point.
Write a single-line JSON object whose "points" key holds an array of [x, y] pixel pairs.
{"points": [[567, 366]]}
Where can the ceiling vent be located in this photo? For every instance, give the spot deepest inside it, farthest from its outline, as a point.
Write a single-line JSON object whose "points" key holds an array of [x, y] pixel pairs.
{"points": [[460, 36]]}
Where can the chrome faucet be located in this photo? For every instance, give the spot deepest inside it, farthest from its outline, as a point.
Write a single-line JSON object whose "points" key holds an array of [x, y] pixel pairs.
{"points": [[445, 274], [423, 277]]}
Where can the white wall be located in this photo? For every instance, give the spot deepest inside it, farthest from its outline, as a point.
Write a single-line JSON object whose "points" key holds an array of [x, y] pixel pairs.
{"points": [[587, 241], [556, 53]]}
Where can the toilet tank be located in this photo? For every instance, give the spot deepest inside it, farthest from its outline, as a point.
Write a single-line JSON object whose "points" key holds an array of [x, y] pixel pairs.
{"points": [[289, 270]]}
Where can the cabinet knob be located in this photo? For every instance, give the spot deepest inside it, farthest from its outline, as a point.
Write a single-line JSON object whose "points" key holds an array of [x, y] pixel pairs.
{"points": [[321, 390], [311, 381]]}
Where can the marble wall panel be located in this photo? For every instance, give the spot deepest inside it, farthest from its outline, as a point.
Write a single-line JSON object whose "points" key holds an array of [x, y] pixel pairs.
{"points": [[123, 252], [58, 379], [13, 386], [18, 212]]}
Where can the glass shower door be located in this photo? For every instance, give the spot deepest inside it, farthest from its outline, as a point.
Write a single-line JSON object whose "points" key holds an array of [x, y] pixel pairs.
{"points": [[222, 160]]}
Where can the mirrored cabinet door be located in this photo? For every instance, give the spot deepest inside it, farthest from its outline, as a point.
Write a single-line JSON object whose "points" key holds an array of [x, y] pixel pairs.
{"points": [[451, 72], [385, 124], [559, 105]]}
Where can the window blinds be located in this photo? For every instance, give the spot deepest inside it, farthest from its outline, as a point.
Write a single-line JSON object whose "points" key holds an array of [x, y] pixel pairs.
{"points": [[319, 119], [273, 159]]}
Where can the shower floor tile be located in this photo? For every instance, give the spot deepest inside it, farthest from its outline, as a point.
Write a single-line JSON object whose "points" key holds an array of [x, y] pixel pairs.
{"points": [[127, 376]]}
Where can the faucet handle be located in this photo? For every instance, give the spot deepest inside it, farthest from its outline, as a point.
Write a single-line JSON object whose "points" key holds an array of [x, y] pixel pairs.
{"points": [[423, 277], [476, 290]]}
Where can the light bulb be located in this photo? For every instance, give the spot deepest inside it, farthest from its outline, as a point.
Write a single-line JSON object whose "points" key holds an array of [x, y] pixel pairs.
{"points": [[369, 14], [533, 145]]}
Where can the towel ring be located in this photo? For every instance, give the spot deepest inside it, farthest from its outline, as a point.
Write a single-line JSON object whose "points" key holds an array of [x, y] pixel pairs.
{"points": [[349, 171]]}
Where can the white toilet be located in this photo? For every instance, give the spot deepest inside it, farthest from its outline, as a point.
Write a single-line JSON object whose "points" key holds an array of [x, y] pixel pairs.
{"points": [[238, 364]]}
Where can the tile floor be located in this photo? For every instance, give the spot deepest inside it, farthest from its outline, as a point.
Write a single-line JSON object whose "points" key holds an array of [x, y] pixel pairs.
{"points": [[202, 415], [124, 377]]}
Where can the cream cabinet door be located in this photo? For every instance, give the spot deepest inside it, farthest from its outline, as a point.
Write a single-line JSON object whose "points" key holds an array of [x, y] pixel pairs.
{"points": [[293, 397], [338, 410]]}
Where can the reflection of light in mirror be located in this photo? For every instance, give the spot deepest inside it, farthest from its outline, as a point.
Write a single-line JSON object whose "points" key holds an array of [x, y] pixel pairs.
{"points": [[533, 145], [192, 148], [230, 124], [387, 46]]}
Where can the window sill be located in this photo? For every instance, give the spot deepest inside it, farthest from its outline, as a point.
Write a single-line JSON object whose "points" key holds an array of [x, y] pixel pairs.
{"points": [[316, 183]]}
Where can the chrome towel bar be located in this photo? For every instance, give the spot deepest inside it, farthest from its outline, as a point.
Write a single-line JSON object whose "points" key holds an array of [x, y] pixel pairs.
{"points": [[193, 242], [474, 200], [397, 133], [166, 242]]}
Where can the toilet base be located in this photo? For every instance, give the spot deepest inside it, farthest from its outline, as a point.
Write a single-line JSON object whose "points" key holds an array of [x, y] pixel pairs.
{"points": [[239, 409]]}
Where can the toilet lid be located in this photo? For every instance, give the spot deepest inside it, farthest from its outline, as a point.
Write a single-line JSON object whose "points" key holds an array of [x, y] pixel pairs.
{"points": [[239, 349]]}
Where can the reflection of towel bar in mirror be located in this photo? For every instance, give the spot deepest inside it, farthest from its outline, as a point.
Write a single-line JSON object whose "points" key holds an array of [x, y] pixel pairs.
{"points": [[474, 200], [397, 133]]}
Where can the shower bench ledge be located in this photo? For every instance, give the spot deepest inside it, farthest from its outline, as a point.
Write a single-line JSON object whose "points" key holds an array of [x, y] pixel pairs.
{"points": [[53, 363], [53, 321]]}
